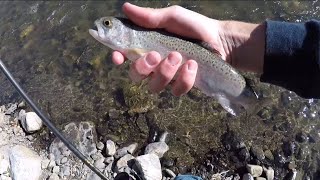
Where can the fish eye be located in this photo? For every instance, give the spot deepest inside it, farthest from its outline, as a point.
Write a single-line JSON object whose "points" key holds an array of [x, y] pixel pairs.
{"points": [[107, 23]]}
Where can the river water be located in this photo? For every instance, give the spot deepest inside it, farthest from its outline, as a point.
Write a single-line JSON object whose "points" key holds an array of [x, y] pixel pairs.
{"points": [[47, 47]]}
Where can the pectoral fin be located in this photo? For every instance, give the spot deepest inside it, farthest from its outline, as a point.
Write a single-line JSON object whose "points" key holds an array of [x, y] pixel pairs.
{"points": [[135, 53], [234, 109]]}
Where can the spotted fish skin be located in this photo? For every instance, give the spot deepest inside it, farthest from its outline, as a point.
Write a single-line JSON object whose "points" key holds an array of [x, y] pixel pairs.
{"points": [[214, 77]]}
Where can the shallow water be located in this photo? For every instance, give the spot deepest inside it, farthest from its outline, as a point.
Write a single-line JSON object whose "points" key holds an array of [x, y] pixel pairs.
{"points": [[70, 76]]}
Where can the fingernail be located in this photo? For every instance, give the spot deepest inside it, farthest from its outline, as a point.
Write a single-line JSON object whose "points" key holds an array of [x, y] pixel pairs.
{"points": [[192, 66], [151, 60], [173, 61]]}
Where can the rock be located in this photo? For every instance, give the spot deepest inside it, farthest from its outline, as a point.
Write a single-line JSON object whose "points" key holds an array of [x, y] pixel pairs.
{"points": [[31, 122], [64, 160], [56, 169], [232, 142], [170, 173], [100, 146], [22, 105], [260, 178], [4, 166], [25, 163], [2, 119], [289, 148], [291, 175], [254, 170], [52, 163], [268, 154], [54, 176], [247, 177], [258, 152], [11, 109], [158, 148], [66, 170], [44, 163], [149, 166], [83, 136], [269, 173], [125, 150], [244, 154], [110, 148], [109, 160], [123, 162], [163, 137], [302, 137], [99, 163]]}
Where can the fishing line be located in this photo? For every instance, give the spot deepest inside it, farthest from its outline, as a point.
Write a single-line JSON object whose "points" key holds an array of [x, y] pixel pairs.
{"points": [[48, 123]]}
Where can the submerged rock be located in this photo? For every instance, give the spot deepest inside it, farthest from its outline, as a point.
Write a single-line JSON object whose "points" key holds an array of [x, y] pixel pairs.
{"points": [[25, 163]]}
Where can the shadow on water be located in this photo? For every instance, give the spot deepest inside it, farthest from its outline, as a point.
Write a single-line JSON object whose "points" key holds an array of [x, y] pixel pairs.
{"points": [[47, 47]]}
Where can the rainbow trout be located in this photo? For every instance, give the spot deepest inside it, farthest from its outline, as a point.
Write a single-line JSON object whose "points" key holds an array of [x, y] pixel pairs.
{"points": [[215, 77]]}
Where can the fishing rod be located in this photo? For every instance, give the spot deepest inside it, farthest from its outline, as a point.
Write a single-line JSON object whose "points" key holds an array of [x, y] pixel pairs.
{"points": [[48, 123]]}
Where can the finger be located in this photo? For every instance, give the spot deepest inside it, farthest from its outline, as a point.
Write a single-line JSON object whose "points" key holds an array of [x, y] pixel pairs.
{"points": [[117, 58], [165, 72], [143, 66], [174, 19], [185, 79]]}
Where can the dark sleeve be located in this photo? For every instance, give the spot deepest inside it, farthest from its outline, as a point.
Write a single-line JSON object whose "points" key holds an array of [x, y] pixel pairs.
{"points": [[292, 57]]}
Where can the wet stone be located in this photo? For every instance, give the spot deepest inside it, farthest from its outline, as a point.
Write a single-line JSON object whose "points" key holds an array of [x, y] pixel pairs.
{"points": [[110, 148], [158, 148], [254, 170], [269, 173], [289, 148], [247, 177], [100, 146], [244, 154], [302, 137], [231, 141], [268, 154], [257, 152]]}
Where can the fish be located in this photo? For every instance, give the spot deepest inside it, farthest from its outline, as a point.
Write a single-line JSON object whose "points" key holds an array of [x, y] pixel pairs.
{"points": [[215, 77]]}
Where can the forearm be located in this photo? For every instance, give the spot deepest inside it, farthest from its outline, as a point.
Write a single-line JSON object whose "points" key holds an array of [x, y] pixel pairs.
{"points": [[244, 44]]}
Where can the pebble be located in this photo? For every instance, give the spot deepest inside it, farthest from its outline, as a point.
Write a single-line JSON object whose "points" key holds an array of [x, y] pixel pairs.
{"points": [[254, 170], [4, 166], [64, 160], [302, 137], [125, 150], [56, 169], [31, 122], [244, 154], [269, 173], [100, 145], [258, 152], [66, 170], [24, 163], [110, 148], [149, 166], [44, 163], [268, 154], [158, 148], [260, 178], [123, 161], [170, 173], [247, 177], [99, 163], [109, 160], [22, 105], [54, 176]]}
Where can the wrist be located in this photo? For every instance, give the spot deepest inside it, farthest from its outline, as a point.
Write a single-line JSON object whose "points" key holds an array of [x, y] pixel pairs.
{"points": [[244, 44]]}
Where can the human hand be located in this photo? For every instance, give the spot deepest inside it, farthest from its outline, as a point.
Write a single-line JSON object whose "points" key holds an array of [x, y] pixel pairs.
{"points": [[177, 20], [240, 44]]}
